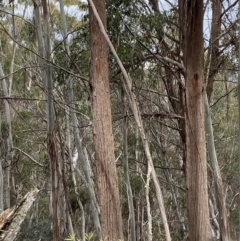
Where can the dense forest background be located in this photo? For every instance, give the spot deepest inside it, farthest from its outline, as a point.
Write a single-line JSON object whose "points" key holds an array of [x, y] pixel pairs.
{"points": [[106, 134]]}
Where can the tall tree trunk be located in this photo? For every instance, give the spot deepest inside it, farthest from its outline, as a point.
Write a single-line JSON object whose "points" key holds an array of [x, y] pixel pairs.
{"points": [[106, 173], [41, 48], [52, 145], [138, 119], [196, 160]]}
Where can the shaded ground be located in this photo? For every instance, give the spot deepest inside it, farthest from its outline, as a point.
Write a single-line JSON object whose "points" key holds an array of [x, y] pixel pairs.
{"points": [[36, 231]]}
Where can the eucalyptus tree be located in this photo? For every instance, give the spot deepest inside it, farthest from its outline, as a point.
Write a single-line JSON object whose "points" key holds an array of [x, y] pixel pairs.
{"points": [[106, 173], [137, 116], [213, 64], [196, 159], [148, 42], [78, 141], [52, 146], [44, 47]]}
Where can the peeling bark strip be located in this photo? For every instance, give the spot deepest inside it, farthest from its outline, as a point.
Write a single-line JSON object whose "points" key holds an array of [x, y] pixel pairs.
{"points": [[11, 219], [196, 160]]}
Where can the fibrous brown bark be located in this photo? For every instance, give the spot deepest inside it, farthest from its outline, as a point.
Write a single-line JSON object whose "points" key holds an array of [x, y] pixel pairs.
{"points": [[196, 161], [106, 174], [137, 116]]}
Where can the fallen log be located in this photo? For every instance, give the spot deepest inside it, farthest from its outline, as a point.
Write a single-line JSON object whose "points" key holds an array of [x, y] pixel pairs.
{"points": [[12, 218]]}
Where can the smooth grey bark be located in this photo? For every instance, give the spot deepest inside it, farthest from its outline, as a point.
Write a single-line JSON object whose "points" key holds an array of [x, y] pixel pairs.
{"points": [[49, 85], [126, 172], [1, 173], [138, 119], [213, 63], [82, 157], [68, 144], [148, 206], [219, 190], [8, 137], [214, 219], [1, 187], [213, 52], [43, 73], [52, 145], [41, 49], [13, 51]]}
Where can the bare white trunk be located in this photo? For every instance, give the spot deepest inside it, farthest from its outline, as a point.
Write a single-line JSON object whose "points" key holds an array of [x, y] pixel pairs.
{"points": [[41, 49], [149, 215], [82, 157], [8, 138], [213, 215], [1, 174], [218, 183]]}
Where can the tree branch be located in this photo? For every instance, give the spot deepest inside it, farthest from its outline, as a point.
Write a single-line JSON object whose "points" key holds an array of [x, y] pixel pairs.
{"points": [[32, 159]]}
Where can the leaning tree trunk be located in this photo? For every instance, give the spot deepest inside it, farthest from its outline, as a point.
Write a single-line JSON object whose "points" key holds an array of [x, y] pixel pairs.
{"points": [[106, 173], [213, 64], [196, 160], [218, 183]]}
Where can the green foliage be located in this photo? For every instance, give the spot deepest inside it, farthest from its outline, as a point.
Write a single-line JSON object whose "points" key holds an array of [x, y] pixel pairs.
{"points": [[89, 236], [137, 185], [136, 32], [28, 31], [71, 237]]}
